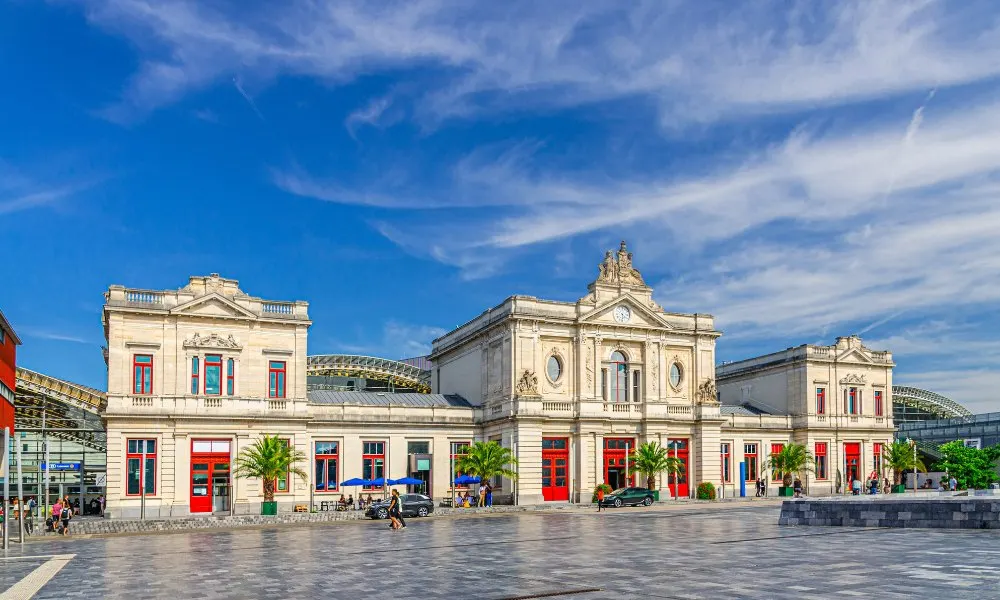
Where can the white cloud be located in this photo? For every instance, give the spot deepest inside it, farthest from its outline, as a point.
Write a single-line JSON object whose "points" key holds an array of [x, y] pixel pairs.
{"points": [[693, 62], [371, 114], [397, 341], [44, 334], [19, 192]]}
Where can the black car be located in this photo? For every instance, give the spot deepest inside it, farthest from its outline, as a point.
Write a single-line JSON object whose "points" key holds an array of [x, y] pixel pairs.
{"points": [[412, 505], [630, 496]]}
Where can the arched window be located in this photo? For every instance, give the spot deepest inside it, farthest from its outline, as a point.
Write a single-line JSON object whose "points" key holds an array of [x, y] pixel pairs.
{"points": [[619, 377]]}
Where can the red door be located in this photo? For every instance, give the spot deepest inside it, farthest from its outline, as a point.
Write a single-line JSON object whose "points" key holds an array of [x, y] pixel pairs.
{"points": [[679, 448], [614, 462], [852, 462], [555, 469]]}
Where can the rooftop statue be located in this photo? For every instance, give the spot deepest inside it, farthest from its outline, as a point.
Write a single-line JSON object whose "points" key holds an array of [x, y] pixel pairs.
{"points": [[618, 269]]}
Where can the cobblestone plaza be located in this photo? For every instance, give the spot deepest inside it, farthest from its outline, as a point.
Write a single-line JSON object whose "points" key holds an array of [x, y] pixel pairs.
{"points": [[684, 552]]}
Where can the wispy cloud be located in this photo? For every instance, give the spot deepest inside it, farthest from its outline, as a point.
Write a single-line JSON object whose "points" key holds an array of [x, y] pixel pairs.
{"points": [[694, 63], [19, 192], [397, 341], [238, 84], [370, 114], [45, 334]]}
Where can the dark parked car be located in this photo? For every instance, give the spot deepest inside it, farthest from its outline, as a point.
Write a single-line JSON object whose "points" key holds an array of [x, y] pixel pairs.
{"points": [[412, 505], [630, 496]]}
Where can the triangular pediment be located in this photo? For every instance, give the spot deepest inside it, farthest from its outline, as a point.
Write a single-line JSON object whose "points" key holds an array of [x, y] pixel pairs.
{"points": [[639, 315], [856, 355], [213, 305]]}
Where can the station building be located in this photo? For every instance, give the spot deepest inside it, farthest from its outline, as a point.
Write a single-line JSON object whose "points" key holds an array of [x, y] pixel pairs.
{"points": [[8, 369], [198, 373]]}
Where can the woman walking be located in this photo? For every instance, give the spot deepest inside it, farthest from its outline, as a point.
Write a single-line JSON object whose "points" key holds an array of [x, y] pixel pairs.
{"points": [[396, 512]]}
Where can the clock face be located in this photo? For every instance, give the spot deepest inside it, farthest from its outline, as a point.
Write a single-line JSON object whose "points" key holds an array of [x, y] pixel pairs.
{"points": [[622, 313]]}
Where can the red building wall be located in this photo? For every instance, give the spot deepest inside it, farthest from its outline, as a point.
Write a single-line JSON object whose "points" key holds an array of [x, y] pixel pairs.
{"points": [[8, 373]]}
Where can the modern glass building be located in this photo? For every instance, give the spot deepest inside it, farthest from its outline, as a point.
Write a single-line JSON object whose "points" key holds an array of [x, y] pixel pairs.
{"points": [[978, 431]]}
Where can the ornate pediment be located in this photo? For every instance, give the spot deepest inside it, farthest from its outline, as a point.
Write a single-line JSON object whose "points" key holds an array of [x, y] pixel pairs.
{"points": [[617, 269], [212, 340], [853, 379], [527, 385], [213, 305]]}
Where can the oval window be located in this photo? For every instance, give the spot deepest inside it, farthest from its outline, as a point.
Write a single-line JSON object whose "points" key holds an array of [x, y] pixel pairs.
{"points": [[675, 374], [554, 368]]}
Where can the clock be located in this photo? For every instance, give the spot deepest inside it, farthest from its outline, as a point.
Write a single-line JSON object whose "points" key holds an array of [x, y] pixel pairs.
{"points": [[622, 313]]}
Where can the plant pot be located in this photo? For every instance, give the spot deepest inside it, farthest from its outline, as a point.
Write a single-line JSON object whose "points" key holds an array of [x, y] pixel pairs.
{"points": [[786, 492], [269, 508], [656, 495], [899, 489]]}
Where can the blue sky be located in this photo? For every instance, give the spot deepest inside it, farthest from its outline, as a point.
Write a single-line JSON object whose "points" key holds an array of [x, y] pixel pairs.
{"points": [[801, 170]]}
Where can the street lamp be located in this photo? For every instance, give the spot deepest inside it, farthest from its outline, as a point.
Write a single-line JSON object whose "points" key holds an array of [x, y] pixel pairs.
{"points": [[913, 444]]}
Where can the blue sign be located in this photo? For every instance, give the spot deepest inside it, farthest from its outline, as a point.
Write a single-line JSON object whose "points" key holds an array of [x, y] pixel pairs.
{"points": [[67, 466]]}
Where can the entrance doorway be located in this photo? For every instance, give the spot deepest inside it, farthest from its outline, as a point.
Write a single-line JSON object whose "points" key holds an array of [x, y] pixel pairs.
{"points": [[555, 469], [420, 468], [615, 468], [677, 483], [852, 462], [210, 476]]}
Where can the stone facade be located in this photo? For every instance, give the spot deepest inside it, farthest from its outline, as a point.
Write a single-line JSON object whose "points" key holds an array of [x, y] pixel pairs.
{"points": [[613, 364], [837, 397], [570, 387]]}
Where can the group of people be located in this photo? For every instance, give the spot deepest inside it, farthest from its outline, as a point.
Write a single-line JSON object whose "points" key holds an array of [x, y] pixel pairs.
{"points": [[762, 488], [62, 511], [467, 500], [944, 485], [348, 503]]}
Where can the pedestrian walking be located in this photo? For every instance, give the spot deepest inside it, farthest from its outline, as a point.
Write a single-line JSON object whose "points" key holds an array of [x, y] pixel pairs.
{"points": [[489, 494], [482, 495], [100, 501], [953, 483], [64, 517], [600, 498], [797, 487], [396, 511]]}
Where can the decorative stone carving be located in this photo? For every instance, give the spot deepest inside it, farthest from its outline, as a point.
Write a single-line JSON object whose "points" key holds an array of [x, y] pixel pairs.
{"points": [[527, 385], [853, 379], [654, 365], [619, 270], [590, 367], [707, 394], [212, 340]]}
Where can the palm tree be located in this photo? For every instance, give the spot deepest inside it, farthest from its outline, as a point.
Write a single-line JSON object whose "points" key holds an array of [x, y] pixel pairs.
{"points": [[486, 460], [791, 460], [898, 456], [651, 459], [268, 459]]}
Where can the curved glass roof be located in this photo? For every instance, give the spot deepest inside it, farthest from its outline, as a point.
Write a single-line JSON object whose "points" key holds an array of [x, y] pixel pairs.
{"points": [[369, 367], [928, 401]]}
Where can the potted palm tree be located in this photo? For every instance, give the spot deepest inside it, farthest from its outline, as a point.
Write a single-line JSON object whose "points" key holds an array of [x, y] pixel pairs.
{"points": [[268, 459], [487, 460], [899, 457], [650, 459], [790, 461]]}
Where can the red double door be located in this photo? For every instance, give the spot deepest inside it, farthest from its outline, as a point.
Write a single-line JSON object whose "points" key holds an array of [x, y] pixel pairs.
{"points": [[555, 469], [209, 483], [677, 484], [852, 462]]}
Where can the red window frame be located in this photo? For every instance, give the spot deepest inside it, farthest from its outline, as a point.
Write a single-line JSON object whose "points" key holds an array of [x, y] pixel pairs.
{"points": [[878, 403], [453, 448], [321, 462], [877, 458], [820, 401], [276, 379], [851, 403], [725, 450], [213, 361], [134, 452], [821, 466], [776, 448], [367, 456], [195, 385], [751, 474], [230, 377], [142, 375]]}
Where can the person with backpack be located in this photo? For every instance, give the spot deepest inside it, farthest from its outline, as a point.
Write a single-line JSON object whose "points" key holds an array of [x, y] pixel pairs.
{"points": [[64, 516]]}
